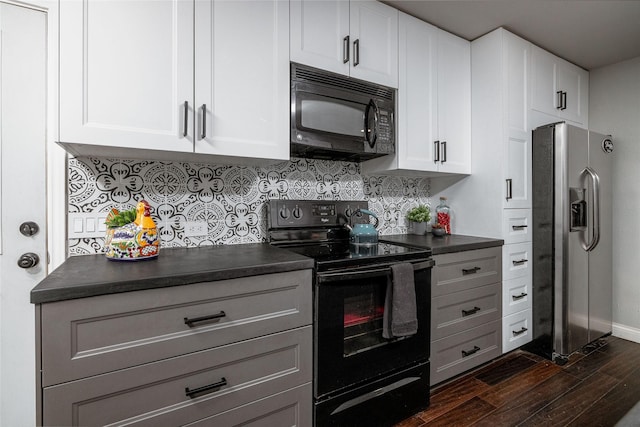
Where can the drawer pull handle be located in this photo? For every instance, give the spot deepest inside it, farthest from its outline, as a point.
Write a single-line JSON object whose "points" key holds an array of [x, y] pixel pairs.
{"points": [[519, 261], [474, 310], [190, 322], [206, 389], [466, 353], [470, 270], [521, 331], [517, 297], [518, 227]]}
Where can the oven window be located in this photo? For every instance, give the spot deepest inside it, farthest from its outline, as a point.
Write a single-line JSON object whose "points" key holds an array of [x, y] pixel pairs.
{"points": [[329, 115], [363, 321]]}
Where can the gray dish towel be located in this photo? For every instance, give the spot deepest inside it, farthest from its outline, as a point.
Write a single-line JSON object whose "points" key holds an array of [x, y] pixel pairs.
{"points": [[400, 318]]}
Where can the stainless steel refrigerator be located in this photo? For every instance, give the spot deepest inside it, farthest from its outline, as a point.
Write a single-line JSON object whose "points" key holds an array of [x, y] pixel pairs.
{"points": [[572, 226]]}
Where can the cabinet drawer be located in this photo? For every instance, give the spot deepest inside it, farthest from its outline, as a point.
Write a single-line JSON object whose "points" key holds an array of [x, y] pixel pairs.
{"points": [[517, 261], [460, 311], [459, 271], [516, 330], [516, 295], [156, 393], [460, 352], [289, 408], [516, 225], [90, 336]]}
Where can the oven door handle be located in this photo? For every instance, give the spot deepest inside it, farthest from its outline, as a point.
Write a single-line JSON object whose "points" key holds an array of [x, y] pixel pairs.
{"points": [[365, 274]]}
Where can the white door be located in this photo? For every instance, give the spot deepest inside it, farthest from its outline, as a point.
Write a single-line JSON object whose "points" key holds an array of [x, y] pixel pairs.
{"points": [[374, 42], [417, 94], [126, 71], [242, 78], [22, 199], [573, 80], [320, 34], [454, 103]]}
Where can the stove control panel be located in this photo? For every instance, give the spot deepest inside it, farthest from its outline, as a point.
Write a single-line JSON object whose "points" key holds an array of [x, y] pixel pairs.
{"points": [[313, 213]]}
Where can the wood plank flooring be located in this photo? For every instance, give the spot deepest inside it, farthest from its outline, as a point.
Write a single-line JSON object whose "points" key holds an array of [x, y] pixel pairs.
{"points": [[595, 388]]}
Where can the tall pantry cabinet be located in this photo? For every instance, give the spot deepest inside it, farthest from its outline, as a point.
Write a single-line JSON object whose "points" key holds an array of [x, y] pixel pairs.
{"points": [[495, 200]]}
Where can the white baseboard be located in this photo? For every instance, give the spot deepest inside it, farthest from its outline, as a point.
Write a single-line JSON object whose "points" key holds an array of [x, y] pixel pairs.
{"points": [[626, 332]]}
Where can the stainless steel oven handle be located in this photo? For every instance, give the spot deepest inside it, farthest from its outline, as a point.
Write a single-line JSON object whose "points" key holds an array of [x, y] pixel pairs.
{"points": [[363, 274]]}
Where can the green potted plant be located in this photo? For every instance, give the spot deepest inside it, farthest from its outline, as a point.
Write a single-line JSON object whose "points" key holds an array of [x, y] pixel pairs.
{"points": [[418, 218]]}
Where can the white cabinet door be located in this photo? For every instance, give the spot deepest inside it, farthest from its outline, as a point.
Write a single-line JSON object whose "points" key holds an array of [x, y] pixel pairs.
{"points": [[320, 34], [517, 172], [454, 103], [242, 78], [559, 87], [574, 81], [126, 71], [417, 94], [374, 42]]}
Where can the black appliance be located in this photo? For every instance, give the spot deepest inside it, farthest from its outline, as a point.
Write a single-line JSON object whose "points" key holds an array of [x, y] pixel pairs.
{"points": [[339, 118], [360, 378]]}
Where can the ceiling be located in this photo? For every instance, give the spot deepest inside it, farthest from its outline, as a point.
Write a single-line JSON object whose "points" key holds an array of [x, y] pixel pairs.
{"points": [[589, 33]]}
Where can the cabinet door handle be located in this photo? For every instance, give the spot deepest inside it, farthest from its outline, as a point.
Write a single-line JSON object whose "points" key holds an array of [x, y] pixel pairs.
{"points": [[473, 270], [436, 151], [186, 118], [521, 331], [474, 310], [517, 297], [345, 50], [509, 189], [203, 134], [519, 261], [564, 100], [466, 353], [559, 100], [518, 227], [190, 322], [444, 151], [196, 392], [356, 52]]}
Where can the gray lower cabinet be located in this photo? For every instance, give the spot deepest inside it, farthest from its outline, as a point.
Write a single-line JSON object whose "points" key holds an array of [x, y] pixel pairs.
{"points": [[222, 353], [466, 311]]}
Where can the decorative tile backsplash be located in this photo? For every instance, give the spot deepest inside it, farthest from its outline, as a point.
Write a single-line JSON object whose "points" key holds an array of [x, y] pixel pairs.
{"points": [[232, 200]]}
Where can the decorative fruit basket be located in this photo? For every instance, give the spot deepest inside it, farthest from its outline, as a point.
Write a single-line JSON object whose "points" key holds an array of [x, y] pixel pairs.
{"points": [[132, 235]]}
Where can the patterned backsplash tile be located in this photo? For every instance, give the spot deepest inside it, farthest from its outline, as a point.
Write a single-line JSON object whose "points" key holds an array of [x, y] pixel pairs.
{"points": [[232, 200]]}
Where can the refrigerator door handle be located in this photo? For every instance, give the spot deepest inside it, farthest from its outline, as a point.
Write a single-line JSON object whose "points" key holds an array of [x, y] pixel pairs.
{"points": [[595, 189]]}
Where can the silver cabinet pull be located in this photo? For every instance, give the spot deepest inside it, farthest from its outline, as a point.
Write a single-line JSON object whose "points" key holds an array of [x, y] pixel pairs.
{"points": [[203, 134], [345, 50], [444, 151], [517, 297], [518, 227], [559, 100], [436, 151], [186, 118], [509, 189], [356, 52], [521, 331], [519, 261]]}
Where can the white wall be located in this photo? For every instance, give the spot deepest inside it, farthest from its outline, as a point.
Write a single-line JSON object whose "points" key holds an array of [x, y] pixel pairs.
{"points": [[614, 108]]}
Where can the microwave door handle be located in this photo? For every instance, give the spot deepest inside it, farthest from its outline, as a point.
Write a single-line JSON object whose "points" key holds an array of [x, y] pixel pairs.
{"points": [[371, 135]]}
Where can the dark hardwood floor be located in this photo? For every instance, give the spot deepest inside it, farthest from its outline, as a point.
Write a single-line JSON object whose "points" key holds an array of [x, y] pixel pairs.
{"points": [[595, 388]]}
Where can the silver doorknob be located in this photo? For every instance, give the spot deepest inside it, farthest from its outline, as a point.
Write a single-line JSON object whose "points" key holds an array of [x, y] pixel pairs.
{"points": [[28, 260], [29, 228]]}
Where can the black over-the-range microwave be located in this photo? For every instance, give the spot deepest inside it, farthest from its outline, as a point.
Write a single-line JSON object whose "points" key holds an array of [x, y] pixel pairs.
{"points": [[339, 118]]}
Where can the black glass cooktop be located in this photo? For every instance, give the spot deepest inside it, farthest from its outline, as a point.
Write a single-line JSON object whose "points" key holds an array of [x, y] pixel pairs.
{"points": [[332, 255]]}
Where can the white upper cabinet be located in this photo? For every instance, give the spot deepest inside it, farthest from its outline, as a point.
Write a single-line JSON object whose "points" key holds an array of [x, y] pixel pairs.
{"points": [[454, 103], [126, 71], [560, 88], [357, 38], [242, 78], [434, 102], [138, 75]]}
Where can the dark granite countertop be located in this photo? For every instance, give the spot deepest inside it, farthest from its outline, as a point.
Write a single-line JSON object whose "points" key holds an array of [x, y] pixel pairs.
{"points": [[444, 244], [92, 275]]}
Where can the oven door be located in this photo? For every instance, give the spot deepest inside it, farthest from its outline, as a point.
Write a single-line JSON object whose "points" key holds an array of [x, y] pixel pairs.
{"points": [[349, 347]]}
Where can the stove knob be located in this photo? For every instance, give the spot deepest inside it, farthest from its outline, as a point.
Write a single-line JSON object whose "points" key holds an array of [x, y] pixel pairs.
{"points": [[284, 212], [297, 212]]}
